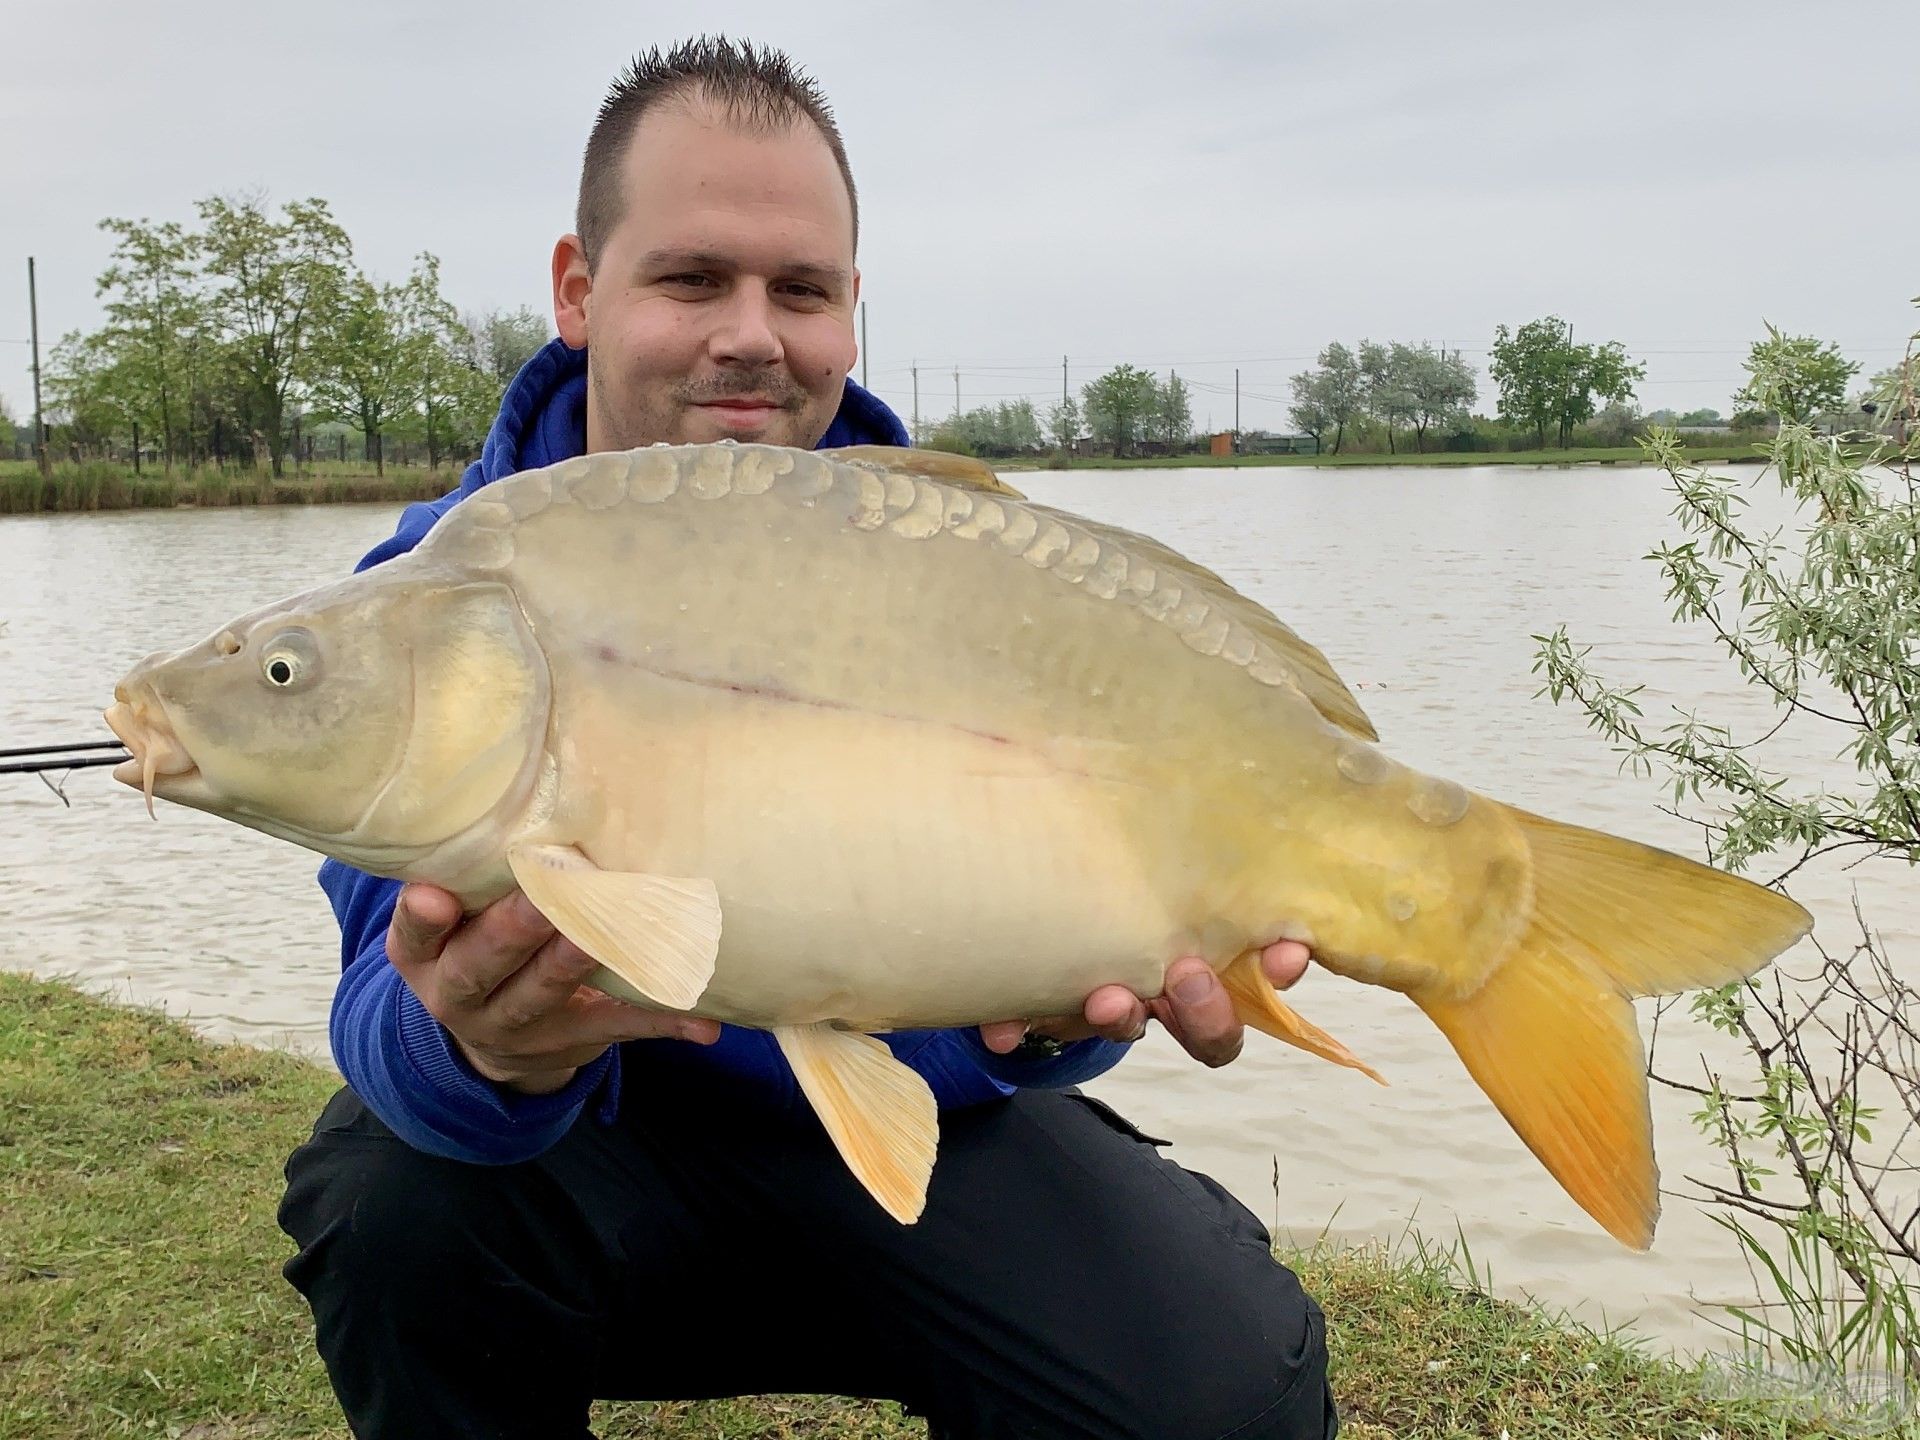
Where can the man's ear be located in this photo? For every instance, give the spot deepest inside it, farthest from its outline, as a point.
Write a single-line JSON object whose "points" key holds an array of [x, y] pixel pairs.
{"points": [[572, 290], [853, 320]]}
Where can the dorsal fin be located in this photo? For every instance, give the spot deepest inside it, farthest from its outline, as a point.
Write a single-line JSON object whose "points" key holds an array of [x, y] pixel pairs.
{"points": [[1318, 679], [931, 464]]}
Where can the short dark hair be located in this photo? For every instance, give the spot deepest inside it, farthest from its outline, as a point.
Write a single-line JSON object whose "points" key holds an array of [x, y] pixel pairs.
{"points": [[753, 86]]}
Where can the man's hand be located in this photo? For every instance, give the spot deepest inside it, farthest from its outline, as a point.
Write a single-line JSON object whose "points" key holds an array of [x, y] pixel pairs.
{"points": [[1194, 1006], [507, 986]]}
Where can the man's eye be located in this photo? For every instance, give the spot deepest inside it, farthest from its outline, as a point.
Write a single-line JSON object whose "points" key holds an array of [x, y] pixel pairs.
{"points": [[805, 292], [690, 282]]}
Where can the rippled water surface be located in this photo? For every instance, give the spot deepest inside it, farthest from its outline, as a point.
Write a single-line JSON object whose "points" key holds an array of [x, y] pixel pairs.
{"points": [[1422, 587]]}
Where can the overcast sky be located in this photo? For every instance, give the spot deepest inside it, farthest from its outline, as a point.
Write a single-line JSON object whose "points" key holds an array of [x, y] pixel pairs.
{"points": [[1193, 187]]}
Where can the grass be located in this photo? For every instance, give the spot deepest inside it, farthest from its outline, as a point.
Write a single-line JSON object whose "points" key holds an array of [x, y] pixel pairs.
{"points": [[1592, 455], [140, 1291], [101, 485]]}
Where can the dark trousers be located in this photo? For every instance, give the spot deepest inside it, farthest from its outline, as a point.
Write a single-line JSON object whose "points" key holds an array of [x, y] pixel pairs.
{"points": [[1065, 1280]]}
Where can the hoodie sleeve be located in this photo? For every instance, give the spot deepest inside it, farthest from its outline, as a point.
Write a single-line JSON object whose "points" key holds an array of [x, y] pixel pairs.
{"points": [[402, 1063], [962, 1071]]}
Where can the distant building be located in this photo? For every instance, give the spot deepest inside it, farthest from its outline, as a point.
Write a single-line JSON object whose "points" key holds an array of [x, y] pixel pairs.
{"points": [[1262, 442]]}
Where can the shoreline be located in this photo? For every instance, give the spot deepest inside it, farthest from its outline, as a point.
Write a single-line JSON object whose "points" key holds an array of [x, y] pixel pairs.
{"points": [[102, 486], [140, 1162]]}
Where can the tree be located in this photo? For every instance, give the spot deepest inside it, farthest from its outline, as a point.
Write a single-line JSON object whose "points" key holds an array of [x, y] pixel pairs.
{"points": [[1546, 379], [374, 360], [1531, 368], [1311, 412], [1795, 378], [459, 400], [277, 286], [1819, 1133], [1439, 387], [1063, 424], [1009, 428], [1334, 393], [1383, 373], [1892, 398], [1120, 405], [1173, 413], [1617, 424], [155, 319], [501, 341], [1599, 373], [83, 391]]}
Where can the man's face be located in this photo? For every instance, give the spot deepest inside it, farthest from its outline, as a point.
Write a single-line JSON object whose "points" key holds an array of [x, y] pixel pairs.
{"points": [[722, 304]]}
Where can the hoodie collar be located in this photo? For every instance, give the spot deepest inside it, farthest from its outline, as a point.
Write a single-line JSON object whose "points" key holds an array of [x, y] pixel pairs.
{"points": [[543, 418]]}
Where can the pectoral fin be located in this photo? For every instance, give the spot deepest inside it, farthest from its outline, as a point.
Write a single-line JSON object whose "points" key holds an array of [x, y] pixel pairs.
{"points": [[657, 933], [880, 1114], [1257, 1004]]}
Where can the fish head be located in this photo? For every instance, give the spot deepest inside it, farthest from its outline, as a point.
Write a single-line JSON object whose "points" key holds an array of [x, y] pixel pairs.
{"points": [[371, 720]]}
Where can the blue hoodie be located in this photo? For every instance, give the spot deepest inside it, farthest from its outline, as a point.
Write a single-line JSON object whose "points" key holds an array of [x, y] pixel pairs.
{"points": [[399, 1059]]}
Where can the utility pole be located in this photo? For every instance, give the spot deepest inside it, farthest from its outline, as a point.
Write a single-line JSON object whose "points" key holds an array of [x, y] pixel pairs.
{"points": [[956, 392], [863, 344], [433, 456], [1566, 392], [916, 402], [1236, 409], [1063, 379], [39, 421]]}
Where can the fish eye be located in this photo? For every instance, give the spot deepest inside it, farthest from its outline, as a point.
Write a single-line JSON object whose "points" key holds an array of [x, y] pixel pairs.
{"points": [[289, 658]]}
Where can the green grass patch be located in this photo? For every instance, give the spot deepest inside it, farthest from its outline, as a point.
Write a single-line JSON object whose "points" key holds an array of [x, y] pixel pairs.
{"points": [[140, 1291]]}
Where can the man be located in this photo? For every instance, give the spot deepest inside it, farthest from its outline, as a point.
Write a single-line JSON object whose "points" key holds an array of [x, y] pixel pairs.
{"points": [[532, 1195]]}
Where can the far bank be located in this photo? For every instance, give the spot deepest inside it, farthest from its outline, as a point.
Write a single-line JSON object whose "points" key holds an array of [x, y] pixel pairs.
{"points": [[105, 485], [1740, 453]]}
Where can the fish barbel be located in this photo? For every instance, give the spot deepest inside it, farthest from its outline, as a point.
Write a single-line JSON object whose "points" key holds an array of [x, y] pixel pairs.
{"points": [[838, 743]]}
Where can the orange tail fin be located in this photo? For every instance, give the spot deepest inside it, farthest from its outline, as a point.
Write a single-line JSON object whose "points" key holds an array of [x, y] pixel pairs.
{"points": [[1551, 1036]]}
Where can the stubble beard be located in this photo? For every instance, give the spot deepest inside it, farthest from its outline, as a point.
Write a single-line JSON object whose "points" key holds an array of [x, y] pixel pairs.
{"points": [[633, 422]]}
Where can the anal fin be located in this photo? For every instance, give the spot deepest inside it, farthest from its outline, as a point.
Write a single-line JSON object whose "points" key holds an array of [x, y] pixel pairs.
{"points": [[658, 933], [880, 1114], [1258, 1005]]}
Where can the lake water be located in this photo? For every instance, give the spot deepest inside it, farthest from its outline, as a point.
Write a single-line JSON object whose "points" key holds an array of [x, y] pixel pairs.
{"points": [[1422, 586]]}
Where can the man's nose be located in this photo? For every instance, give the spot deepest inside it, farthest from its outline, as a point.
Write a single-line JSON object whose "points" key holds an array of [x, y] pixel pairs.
{"points": [[748, 333]]}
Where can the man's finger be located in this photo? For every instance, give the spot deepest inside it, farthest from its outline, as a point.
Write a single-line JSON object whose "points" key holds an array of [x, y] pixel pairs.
{"points": [[1200, 1012], [490, 948], [423, 917], [612, 1021], [541, 986], [1116, 1013], [1284, 962], [1002, 1036], [512, 925]]}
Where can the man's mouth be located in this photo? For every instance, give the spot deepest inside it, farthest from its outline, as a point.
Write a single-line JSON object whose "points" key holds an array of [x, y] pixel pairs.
{"points": [[142, 725], [743, 412]]}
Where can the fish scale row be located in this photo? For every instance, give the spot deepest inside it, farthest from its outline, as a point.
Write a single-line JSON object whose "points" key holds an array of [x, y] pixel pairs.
{"points": [[479, 531]]}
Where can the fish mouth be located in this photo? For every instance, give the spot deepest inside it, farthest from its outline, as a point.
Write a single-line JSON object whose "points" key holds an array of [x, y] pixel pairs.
{"points": [[139, 719]]}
